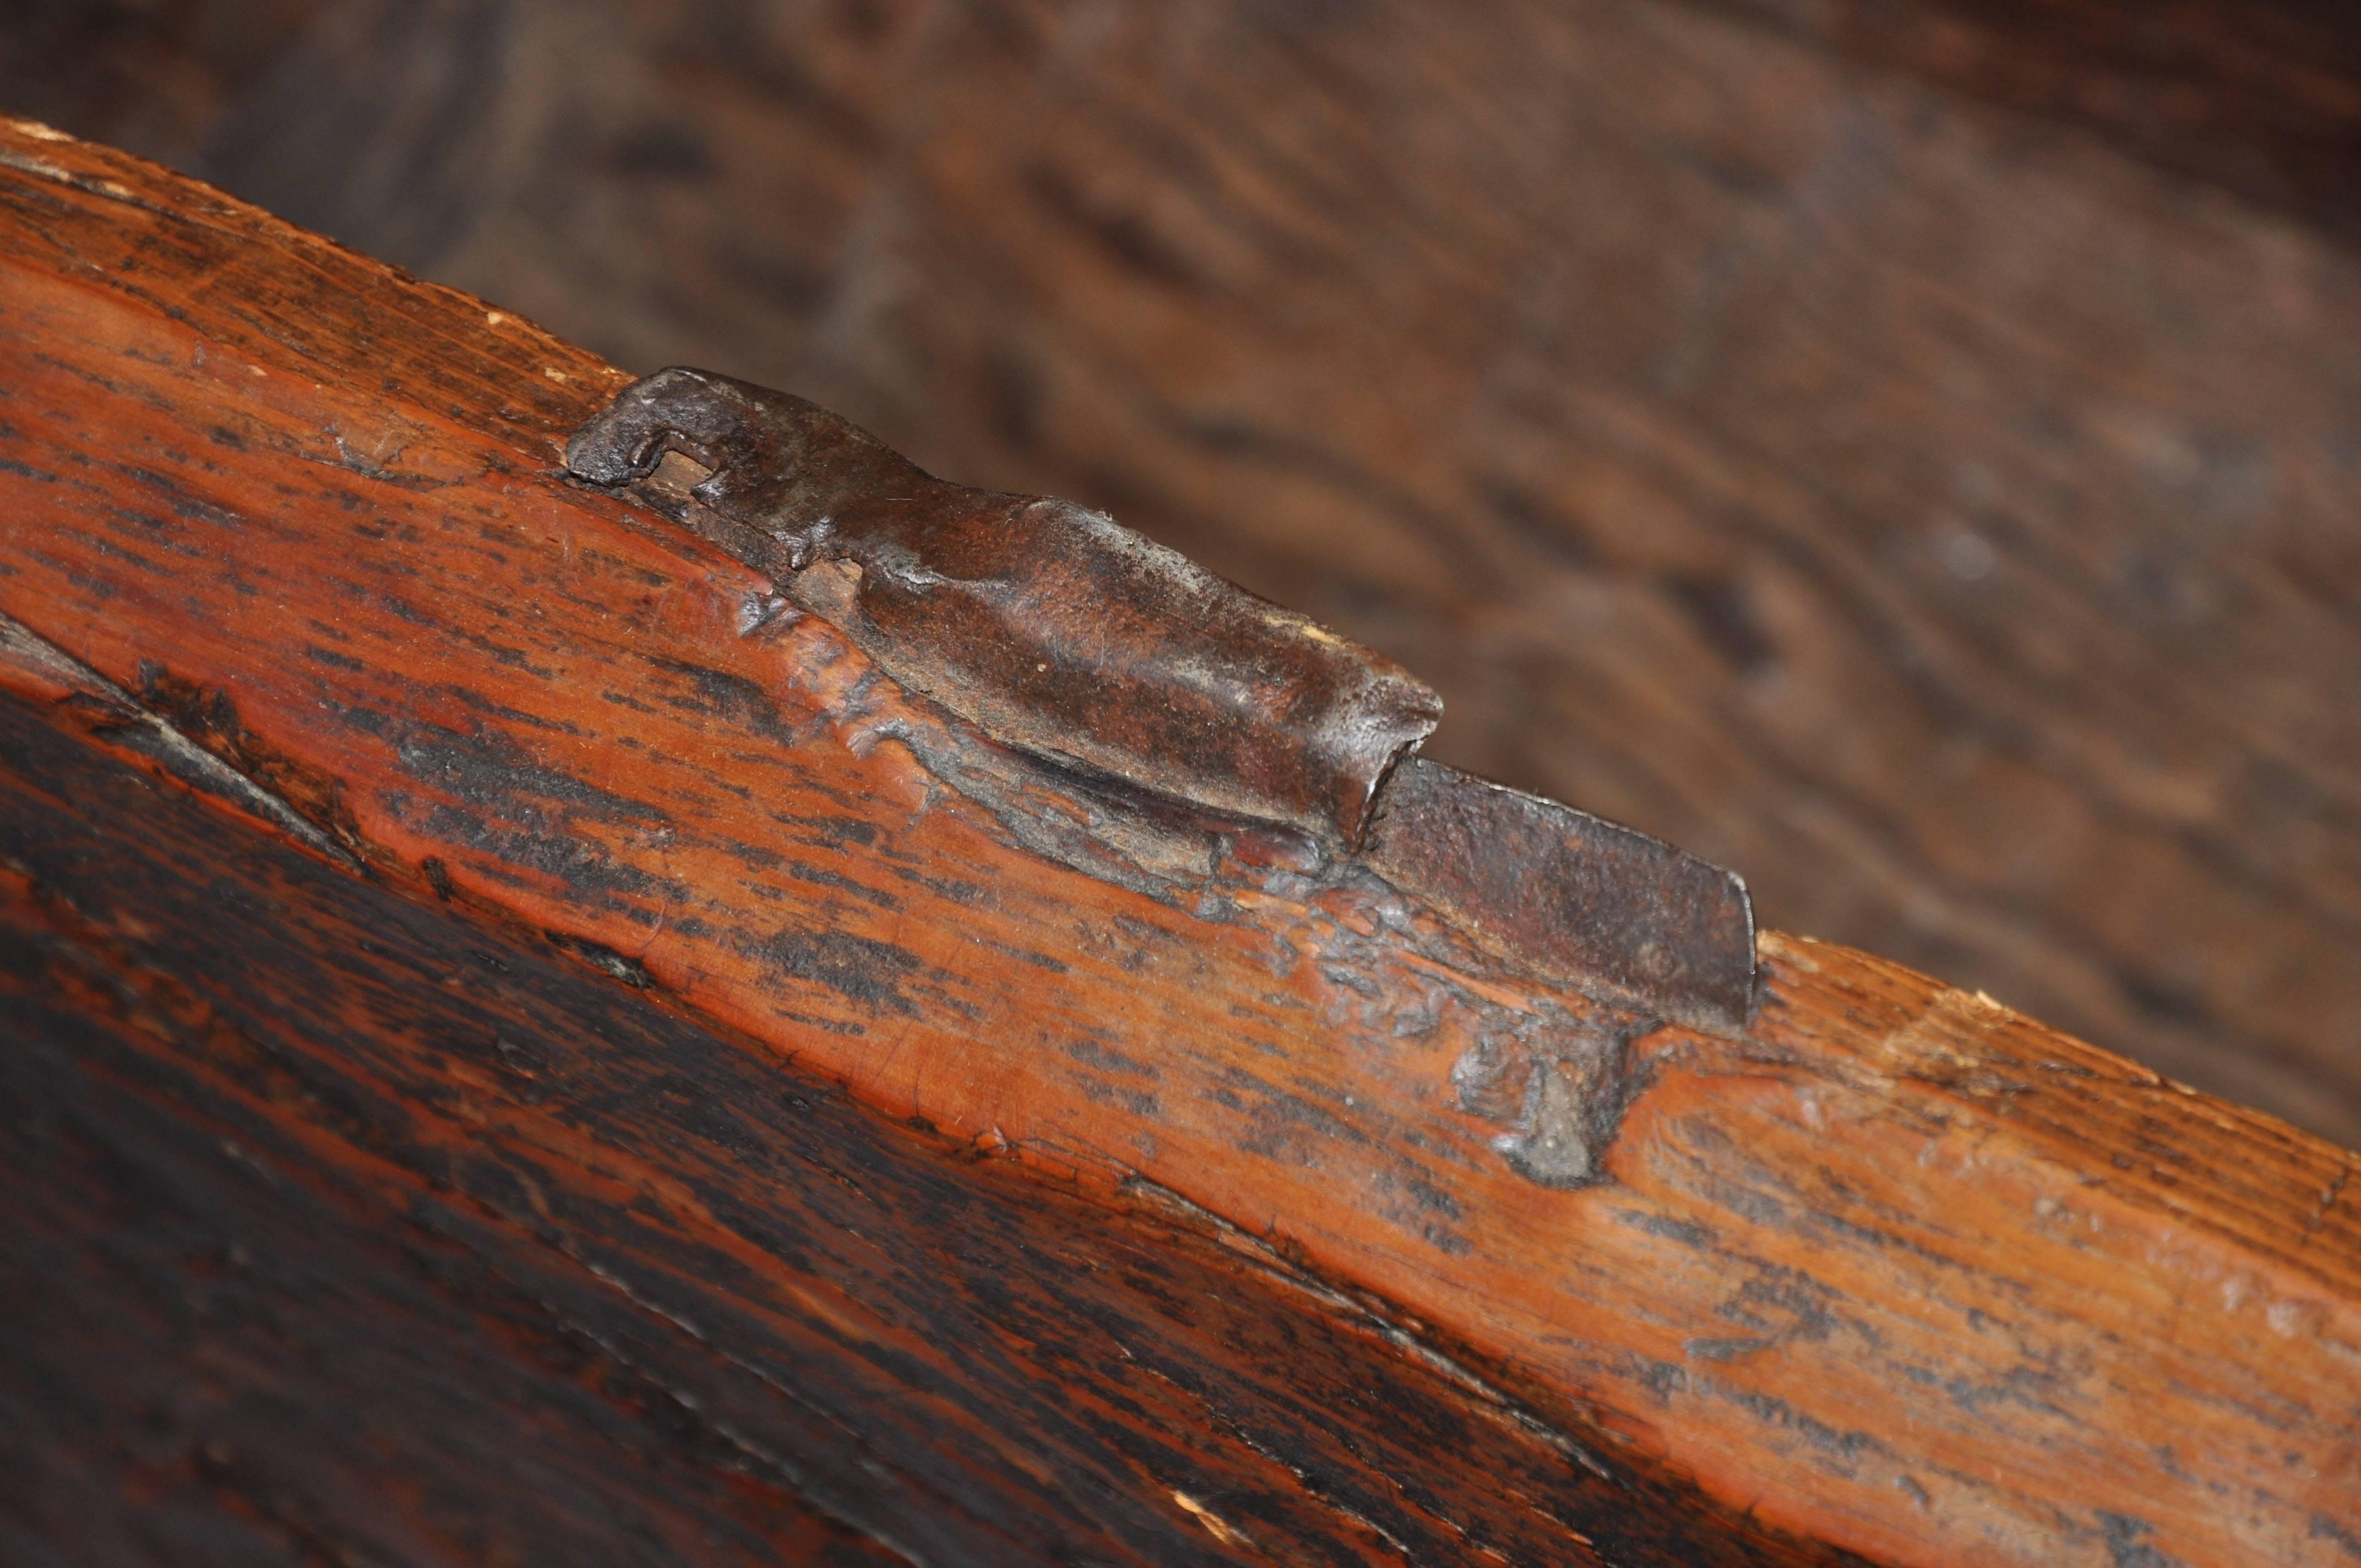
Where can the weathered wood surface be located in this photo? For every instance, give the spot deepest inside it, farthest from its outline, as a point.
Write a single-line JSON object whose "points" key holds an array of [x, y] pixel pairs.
{"points": [[340, 1228], [1903, 449], [1901, 1273]]}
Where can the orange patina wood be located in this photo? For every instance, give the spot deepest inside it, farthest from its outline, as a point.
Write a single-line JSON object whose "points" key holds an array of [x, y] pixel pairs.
{"points": [[1899, 1271]]}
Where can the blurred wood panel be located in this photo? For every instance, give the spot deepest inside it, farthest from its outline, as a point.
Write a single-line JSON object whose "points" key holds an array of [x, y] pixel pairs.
{"points": [[1907, 453]]}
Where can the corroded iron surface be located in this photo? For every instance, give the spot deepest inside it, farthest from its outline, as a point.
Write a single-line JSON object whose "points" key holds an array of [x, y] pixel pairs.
{"points": [[1050, 625], [1063, 634], [1591, 901]]}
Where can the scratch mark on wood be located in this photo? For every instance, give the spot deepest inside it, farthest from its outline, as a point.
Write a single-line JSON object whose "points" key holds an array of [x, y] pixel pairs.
{"points": [[119, 717]]}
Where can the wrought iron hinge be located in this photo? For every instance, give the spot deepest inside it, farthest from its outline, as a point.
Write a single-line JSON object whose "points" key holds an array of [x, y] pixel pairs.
{"points": [[1061, 633]]}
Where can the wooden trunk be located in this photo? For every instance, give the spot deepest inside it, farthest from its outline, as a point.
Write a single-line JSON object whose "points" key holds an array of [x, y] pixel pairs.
{"points": [[512, 1056]]}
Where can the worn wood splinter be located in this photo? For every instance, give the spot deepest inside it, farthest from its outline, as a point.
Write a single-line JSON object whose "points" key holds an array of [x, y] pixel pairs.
{"points": [[550, 1018]]}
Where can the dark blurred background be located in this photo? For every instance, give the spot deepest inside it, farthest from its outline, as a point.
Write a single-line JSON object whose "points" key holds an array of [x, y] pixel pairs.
{"points": [[1906, 451]]}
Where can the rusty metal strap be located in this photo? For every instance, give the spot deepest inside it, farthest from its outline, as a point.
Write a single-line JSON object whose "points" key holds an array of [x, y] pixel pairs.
{"points": [[1060, 632]]}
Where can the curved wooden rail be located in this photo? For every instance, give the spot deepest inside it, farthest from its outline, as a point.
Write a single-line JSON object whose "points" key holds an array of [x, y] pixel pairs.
{"points": [[1899, 1273]]}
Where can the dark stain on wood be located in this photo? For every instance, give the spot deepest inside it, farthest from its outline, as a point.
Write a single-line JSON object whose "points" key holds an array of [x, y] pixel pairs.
{"points": [[345, 1226]]}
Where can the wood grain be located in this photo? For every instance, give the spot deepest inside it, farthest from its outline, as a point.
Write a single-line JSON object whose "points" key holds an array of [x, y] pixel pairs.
{"points": [[1901, 1274], [1902, 451], [342, 1226]]}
